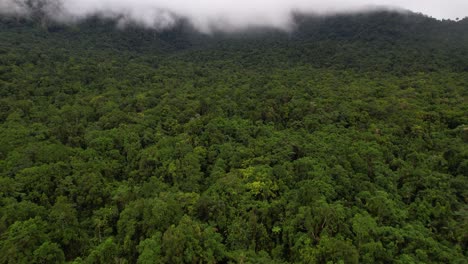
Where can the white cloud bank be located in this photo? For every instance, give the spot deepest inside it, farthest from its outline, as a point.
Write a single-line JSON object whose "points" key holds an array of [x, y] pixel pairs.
{"points": [[231, 14]]}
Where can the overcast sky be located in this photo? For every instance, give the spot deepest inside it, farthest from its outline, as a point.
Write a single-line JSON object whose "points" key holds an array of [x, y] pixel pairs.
{"points": [[237, 14]]}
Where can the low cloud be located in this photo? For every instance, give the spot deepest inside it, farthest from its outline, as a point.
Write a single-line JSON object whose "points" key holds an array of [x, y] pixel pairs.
{"points": [[227, 15]]}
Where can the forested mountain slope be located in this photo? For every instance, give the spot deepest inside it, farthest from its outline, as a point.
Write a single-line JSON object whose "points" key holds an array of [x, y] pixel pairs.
{"points": [[341, 141]]}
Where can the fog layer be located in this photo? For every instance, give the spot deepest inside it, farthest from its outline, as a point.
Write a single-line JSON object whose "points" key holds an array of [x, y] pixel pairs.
{"points": [[207, 15]]}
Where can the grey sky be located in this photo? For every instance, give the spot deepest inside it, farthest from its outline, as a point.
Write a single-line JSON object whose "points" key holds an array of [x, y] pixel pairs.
{"points": [[237, 14]]}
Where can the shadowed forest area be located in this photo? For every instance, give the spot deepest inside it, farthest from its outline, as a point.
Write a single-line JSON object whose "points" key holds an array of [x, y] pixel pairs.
{"points": [[342, 141]]}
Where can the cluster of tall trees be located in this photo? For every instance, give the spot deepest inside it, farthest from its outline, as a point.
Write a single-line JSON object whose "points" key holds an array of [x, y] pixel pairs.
{"points": [[322, 146]]}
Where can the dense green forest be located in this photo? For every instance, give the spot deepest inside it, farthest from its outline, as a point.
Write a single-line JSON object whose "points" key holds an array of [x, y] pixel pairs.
{"points": [[343, 141]]}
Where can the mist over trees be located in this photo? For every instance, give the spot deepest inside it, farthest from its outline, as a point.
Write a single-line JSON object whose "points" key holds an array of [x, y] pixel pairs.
{"points": [[342, 141], [222, 15]]}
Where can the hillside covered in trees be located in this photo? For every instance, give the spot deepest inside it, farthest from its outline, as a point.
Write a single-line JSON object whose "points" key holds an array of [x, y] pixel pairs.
{"points": [[342, 141]]}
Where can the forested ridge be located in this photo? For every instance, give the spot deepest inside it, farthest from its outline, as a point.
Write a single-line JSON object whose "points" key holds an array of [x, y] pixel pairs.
{"points": [[341, 141]]}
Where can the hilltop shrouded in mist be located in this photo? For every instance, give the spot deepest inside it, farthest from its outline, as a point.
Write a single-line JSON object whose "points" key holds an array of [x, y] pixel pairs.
{"points": [[207, 15]]}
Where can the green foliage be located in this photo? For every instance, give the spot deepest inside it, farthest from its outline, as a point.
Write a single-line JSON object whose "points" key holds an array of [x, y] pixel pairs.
{"points": [[344, 141]]}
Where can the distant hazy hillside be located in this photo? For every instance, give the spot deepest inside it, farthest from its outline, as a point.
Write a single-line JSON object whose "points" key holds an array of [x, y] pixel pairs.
{"points": [[365, 41]]}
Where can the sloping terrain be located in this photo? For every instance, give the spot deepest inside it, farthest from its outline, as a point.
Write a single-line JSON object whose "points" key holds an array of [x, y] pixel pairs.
{"points": [[342, 141]]}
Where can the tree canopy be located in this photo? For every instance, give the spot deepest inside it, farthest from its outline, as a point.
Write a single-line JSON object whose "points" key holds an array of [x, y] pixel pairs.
{"points": [[344, 141]]}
